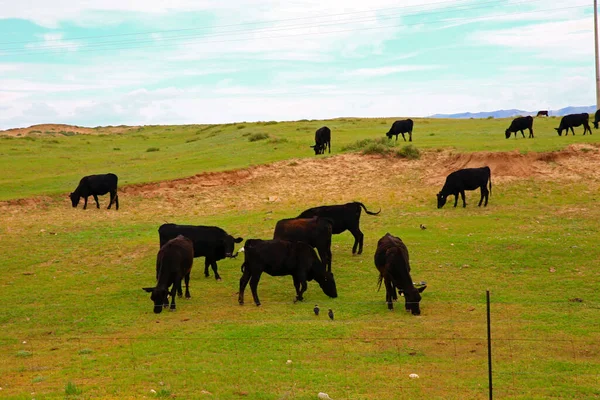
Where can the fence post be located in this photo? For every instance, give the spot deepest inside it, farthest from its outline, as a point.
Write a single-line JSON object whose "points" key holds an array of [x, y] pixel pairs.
{"points": [[489, 341]]}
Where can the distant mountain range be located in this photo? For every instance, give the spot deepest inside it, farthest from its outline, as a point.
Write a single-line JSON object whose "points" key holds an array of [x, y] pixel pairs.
{"points": [[514, 112]]}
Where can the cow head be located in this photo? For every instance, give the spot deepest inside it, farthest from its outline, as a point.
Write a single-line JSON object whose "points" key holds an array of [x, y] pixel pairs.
{"points": [[74, 199], [229, 245], [559, 131], [159, 297], [389, 134], [327, 284], [318, 149], [441, 200], [508, 133], [411, 301]]}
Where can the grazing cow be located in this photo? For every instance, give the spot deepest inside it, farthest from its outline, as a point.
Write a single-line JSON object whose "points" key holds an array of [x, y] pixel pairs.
{"points": [[314, 231], [210, 242], [466, 179], [391, 260], [279, 258], [596, 119], [173, 263], [573, 120], [401, 127], [96, 185], [543, 113], [322, 140], [520, 124], [344, 217]]}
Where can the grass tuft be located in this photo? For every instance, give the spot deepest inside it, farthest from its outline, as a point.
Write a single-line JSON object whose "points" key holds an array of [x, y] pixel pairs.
{"points": [[258, 136], [152, 149], [71, 389], [409, 151]]}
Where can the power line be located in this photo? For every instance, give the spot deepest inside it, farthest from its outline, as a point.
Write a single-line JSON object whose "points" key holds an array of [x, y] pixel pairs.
{"points": [[102, 47], [459, 7]]}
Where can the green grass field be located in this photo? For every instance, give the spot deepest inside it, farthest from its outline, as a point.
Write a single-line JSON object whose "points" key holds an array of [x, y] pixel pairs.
{"points": [[76, 323]]}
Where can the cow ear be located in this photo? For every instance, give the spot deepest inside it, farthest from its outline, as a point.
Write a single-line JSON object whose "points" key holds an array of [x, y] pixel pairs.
{"points": [[148, 289], [238, 240]]}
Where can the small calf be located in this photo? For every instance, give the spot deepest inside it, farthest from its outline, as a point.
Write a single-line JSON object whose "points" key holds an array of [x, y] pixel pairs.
{"points": [[96, 185]]}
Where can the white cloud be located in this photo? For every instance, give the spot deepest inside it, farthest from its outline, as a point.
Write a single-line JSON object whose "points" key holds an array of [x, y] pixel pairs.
{"points": [[558, 40], [53, 42], [383, 71]]}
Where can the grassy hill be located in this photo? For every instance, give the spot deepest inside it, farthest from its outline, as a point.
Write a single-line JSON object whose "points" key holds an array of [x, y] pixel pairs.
{"points": [[50, 162], [76, 323]]}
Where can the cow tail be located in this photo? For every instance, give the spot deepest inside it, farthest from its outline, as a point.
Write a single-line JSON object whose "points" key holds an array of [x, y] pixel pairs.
{"points": [[367, 211], [379, 282], [490, 183]]}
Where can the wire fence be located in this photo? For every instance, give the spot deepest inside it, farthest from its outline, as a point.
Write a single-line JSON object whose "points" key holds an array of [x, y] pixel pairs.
{"points": [[393, 356]]}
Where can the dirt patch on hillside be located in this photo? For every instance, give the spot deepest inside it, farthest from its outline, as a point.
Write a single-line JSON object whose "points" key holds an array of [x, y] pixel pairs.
{"points": [[48, 129], [351, 176]]}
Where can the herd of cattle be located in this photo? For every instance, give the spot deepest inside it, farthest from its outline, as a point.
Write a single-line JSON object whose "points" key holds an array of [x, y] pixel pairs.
{"points": [[292, 249], [519, 124]]}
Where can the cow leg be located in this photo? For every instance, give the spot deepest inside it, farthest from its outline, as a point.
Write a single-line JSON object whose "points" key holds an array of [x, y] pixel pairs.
{"points": [[358, 240], [243, 282], [206, 265], [403, 137], [572, 131], [254, 279], [483, 194], [389, 293], [96, 198], [214, 267], [299, 290], [116, 201], [410, 136], [329, 145], [462, 195], [522, 134], [187, 286], [113, 198], [176, 285], [531, 133], [455, 199], [85, 202]]}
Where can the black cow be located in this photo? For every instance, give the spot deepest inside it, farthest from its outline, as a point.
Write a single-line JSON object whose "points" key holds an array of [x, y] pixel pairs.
{"points": [[210, 242], [279, 258], [574, 120], [322, 140], [542, 113], [313, 231], [173, 263], [391, 260], [401, 127], [520, 124], [96, 185], [466, 179], [345, 216], [596, 119]]}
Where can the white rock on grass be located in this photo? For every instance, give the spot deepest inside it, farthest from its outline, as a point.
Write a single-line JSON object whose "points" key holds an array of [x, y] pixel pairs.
{"points": [[323, 396], [413, 376]]}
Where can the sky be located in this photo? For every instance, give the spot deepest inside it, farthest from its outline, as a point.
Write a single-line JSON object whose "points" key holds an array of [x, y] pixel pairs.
{"points": [[142, 62]]}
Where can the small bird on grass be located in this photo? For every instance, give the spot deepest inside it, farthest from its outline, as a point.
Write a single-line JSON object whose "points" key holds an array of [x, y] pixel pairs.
{"points": [[316, 309], [330, 314], [422, 226]]}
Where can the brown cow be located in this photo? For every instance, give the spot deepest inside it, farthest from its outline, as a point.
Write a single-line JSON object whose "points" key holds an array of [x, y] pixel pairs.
{"points": [[173, 263], [391, 260], [313, 231]]}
